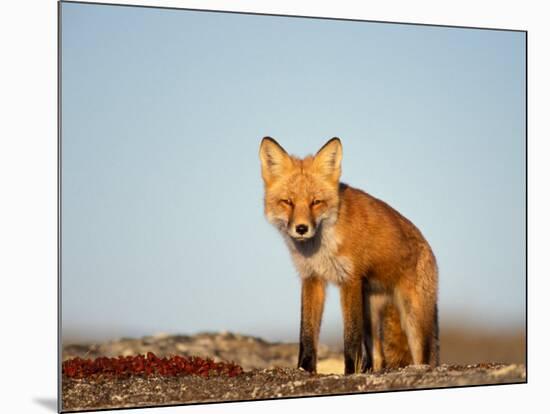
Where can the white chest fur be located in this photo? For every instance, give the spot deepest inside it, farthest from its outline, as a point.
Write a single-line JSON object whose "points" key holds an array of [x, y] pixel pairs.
{"points": [[319, 257]]}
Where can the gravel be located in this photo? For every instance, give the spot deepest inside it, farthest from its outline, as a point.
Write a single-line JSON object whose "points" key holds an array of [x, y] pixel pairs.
{"points": [[269, 373]]}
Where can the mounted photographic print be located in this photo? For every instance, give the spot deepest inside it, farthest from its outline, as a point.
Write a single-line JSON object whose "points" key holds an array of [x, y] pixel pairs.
{"points": [[260, 206]]}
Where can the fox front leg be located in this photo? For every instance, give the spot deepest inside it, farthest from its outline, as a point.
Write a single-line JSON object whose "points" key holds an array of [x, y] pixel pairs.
{"points": [[351, 298], [313, 300]]}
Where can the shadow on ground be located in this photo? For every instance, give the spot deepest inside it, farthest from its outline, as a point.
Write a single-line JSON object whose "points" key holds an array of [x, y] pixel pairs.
{"points": [[49, 403]]}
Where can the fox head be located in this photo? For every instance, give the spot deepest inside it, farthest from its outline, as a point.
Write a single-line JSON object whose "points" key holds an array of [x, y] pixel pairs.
{"points": [[301, 194]]}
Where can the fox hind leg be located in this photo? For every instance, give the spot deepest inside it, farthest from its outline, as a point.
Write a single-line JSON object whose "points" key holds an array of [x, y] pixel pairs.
{"points": [[417, 320], [376, 304], [434, 351], [395, 346]]}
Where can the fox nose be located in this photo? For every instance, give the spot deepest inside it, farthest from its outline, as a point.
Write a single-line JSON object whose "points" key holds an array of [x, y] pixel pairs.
{"points": [[301, 229]]}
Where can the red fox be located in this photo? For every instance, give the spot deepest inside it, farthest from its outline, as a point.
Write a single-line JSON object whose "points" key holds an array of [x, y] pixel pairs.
{"points": [[384, 268]]}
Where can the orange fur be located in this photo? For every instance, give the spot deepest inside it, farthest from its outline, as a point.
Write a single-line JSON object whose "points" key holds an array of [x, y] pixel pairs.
{"points": [[384, 267]]}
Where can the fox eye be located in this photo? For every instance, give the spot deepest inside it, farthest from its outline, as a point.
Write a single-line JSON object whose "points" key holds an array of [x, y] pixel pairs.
{"points": [[286, 201], [316, 202]]}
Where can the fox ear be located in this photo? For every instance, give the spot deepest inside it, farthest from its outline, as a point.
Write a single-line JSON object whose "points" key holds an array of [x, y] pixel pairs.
{"points": [[275, 160], [328, 159]]}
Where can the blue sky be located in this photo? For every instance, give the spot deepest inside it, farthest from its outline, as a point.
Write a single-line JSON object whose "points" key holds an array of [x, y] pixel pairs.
{"points": [[163, 112]]}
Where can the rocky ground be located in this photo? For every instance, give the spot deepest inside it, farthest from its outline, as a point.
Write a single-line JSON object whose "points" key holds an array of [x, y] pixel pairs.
{"points": [[269, 373], [247, 351]]}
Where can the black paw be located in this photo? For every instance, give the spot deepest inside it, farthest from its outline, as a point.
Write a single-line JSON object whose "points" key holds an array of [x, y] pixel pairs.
{"points": [[366, 366], [352, 365], [307, 363]]}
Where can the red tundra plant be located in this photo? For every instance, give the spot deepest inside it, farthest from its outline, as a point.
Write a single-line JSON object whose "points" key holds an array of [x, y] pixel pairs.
{"points": [[123, 367]]}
